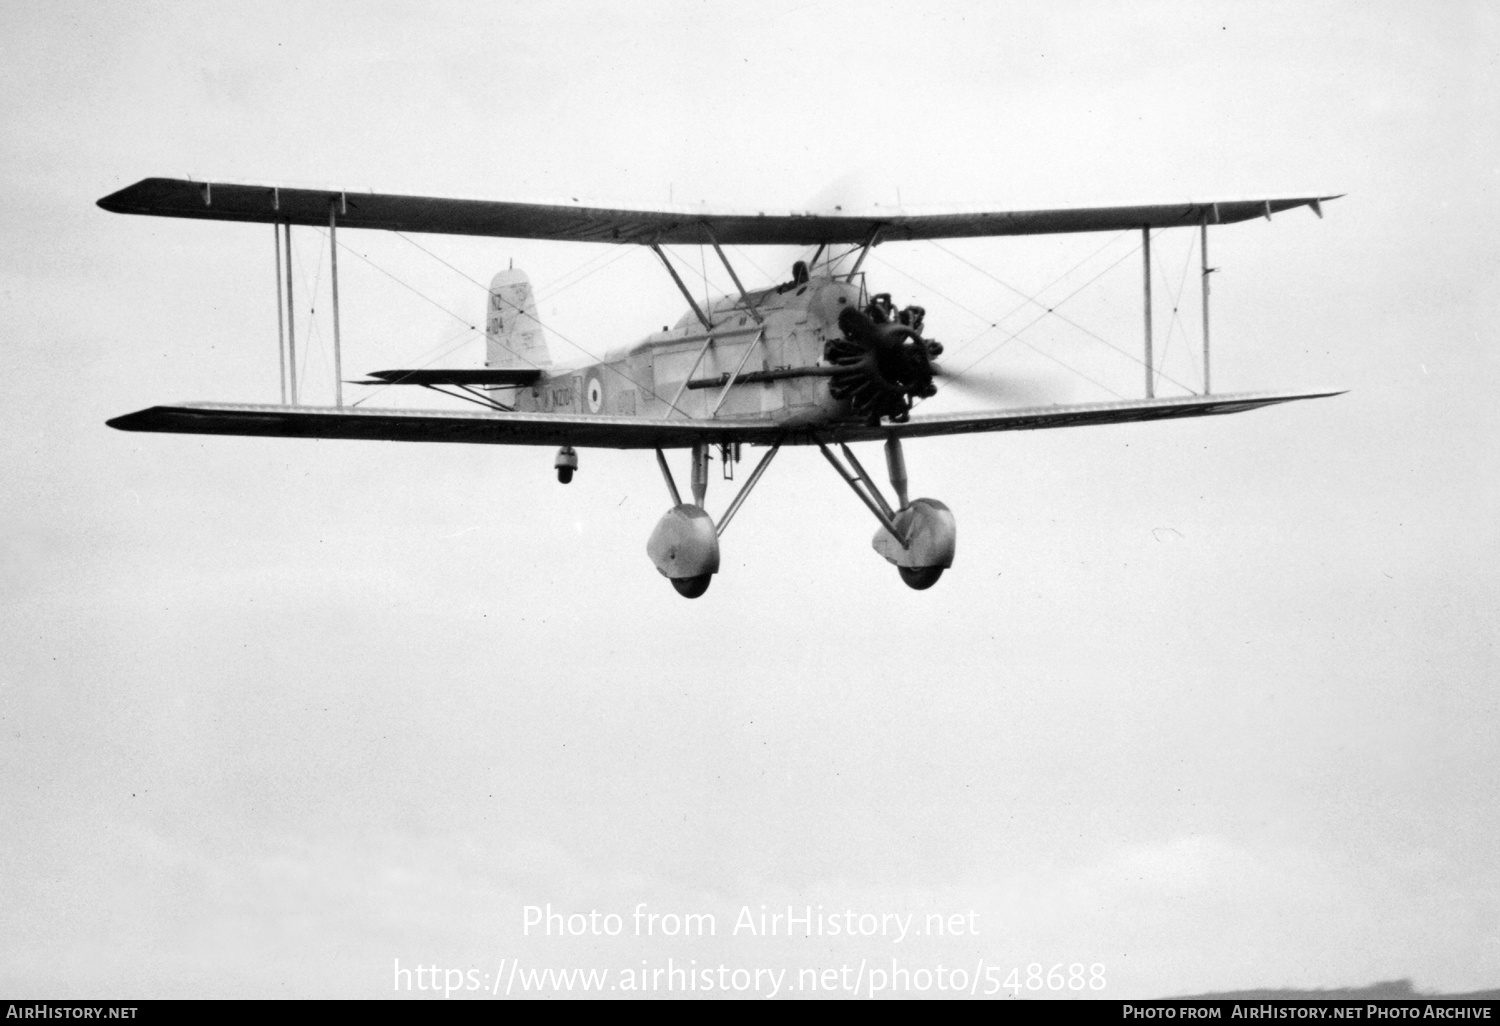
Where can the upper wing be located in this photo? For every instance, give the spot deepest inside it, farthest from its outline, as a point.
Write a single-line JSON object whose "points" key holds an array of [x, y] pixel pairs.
{"points": [[641, 433], [170, 197]]}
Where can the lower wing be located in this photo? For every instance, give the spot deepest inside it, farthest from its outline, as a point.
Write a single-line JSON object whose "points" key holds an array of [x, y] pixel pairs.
{"points": [[501, 428]]}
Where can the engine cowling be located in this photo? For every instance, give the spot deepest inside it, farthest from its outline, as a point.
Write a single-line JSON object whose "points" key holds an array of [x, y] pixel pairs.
{"points": [[684, 546]]}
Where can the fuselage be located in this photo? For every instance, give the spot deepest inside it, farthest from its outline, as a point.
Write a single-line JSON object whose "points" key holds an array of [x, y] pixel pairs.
{"points": [[683, 370]]}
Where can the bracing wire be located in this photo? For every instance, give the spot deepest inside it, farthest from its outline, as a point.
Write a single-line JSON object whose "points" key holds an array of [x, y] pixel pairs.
{"points": [[741, 254], [473, 328], [1176, 320], [543, 292], [553, 289], [313, 337], [1014, 336], [1027, 299], [1010, 336], [1052, 310]]}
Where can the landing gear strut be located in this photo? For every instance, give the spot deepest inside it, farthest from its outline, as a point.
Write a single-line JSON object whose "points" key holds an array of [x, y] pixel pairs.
{"points": [[566, 463], [920, 536], [685, 544]]}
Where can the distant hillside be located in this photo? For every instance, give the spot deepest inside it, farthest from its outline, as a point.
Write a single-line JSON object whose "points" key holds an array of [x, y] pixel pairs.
{"points": [[1386, 990]]}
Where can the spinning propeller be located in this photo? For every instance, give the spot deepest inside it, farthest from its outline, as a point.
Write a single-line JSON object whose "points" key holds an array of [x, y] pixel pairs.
{"points": [[883, 364]]}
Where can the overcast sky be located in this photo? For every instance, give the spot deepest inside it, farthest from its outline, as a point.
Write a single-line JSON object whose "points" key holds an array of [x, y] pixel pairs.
{"points": [[1208, 704]]}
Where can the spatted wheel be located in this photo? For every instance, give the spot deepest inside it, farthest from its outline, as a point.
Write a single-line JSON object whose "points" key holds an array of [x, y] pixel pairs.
{"points": [[692, 587], [919, 578]]}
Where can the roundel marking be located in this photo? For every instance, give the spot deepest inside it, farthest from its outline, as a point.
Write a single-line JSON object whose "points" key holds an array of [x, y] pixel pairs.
{"points": [[596, 395]]}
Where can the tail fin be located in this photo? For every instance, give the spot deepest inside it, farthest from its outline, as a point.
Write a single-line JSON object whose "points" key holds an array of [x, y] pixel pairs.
{"points": [[513, 335]]}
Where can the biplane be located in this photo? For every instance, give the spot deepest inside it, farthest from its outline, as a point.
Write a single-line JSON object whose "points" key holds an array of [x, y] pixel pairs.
{"points": [[817, 360]]}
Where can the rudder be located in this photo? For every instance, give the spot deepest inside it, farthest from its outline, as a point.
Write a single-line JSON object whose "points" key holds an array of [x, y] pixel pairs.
{"points": [[513, 334]]}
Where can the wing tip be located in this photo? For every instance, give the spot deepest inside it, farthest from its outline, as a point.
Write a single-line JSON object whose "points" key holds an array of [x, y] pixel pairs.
{"points": [[140, 420], [118, 202], [112, 203]]}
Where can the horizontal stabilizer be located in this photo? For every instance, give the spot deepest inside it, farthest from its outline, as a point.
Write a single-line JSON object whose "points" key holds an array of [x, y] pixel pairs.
{"points": [[172, 197], [482, 376]]}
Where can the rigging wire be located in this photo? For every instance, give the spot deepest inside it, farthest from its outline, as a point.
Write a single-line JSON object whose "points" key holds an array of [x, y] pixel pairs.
{"points": [[1027, 298], [543, 292], [1066, 320], [1176, 320], [473, 328], [444, 348], [746, 257], [313, 337], [547, 291], [1011, 336], [605, 252], [702, 273]]}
